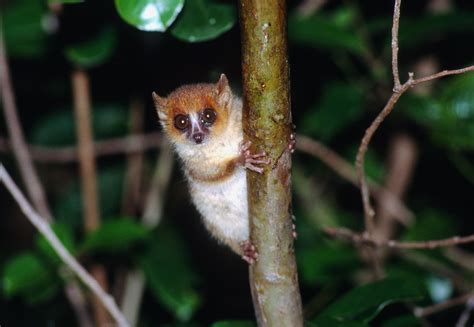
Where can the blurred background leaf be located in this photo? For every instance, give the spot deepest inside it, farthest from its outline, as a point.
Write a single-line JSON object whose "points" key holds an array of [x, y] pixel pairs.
{"points": [[24, 33], [169, 274], [95, 51]]}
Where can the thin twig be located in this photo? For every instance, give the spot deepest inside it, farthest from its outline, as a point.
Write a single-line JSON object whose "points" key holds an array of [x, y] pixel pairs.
{"points": [[366, 239], [396, 22], [67, 154], [45, 230], [347, 171], [25, 164], [397, 93], [465, 315], [152, 214], [430, 310]]}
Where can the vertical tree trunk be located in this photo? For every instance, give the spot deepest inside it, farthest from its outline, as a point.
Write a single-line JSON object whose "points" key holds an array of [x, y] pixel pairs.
{"points": [[267, 123]]}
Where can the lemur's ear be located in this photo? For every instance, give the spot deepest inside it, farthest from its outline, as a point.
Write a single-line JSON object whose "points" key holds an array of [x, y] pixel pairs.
{"points": [[160, 105], [223, 92]]}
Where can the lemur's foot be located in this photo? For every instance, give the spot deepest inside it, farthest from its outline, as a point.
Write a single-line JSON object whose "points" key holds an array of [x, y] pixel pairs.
{"points": [[251, 161], [293, 231], [249, 252]]}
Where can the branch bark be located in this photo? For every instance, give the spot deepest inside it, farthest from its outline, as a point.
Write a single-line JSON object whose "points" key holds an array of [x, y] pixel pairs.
{"points": [[267, 123], [82, 111]]}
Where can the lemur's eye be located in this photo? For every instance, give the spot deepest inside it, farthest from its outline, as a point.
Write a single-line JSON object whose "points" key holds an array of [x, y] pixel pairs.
{"points": [[181, 122], [208, 116]]}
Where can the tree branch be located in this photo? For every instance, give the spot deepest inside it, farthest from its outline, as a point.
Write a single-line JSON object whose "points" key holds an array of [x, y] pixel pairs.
{"points": [[82, 111], [45, 230], [67, 154], [430, 310], [396, 22], [347, 171], [267, 123], [25, 164], [367, 239], [397, 93]]}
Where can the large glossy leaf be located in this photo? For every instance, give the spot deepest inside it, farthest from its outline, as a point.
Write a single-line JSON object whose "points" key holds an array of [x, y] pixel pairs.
{"points": [[324, 32], [365, 302], [234, 323], [27, 276], [149, 15], [23, 31], [169, 274], [115, 236], [340, 105], [204, 20], [58, 127], [93, 52]]}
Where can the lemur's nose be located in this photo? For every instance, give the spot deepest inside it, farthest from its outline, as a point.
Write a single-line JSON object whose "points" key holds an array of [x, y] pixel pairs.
{"points": [[198, 137]]}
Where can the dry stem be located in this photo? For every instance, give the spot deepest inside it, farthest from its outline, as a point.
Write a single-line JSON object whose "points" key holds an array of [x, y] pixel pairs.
{"points": [[25, 164], [45, 230], [67, 154], [82, 111], [367, 239]]}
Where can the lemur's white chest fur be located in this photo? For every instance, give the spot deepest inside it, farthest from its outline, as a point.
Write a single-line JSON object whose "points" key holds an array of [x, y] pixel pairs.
{"points": [[223, 203]]}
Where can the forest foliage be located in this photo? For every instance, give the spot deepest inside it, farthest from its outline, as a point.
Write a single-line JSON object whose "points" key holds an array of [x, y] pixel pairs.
{"points": [[341, 78]]}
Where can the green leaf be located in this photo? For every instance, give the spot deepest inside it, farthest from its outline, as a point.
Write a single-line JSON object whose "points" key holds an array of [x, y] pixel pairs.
{"points": [[339, 106], [203, 20], [58, 128], [68, 208], [365, 302], [421, 30], [324, 32], [403, 321], [430, 224], [234, 323], [149, 15], [325, 321], [93, 52], [65, 1], [24, 34], [115, 235], [325, 262], [64, 234], [455, 128], [27, 276], [169, 274]]}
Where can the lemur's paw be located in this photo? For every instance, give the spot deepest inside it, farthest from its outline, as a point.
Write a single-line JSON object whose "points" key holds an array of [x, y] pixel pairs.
{"points": [[249, 252], [252, 161]]}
